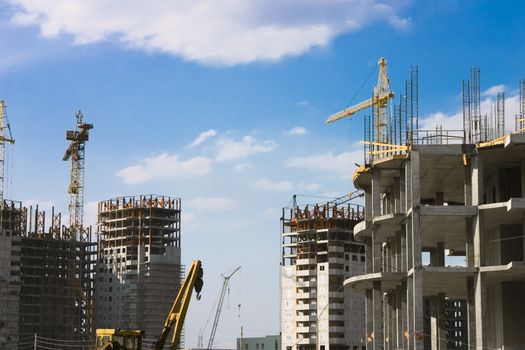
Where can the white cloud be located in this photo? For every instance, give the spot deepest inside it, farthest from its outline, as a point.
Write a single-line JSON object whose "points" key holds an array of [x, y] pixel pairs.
{"points": [[494, 90], [165, 166], [309, 187], [229, 149], [303, 103], [338, 163], [241, 167], [271, 213], [399, 22], [455, 121], [297, 131], [212, 203], [90, 213], [264, 184], [223, 32], [203, 136]]}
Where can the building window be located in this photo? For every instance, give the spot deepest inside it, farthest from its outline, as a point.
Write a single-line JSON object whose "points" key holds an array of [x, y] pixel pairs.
{"points": [[346, 256], [262, 345], [245, 346], [347, 268], [354, 257], [257, 346], [362, 258], [322, 347], [321, 267]]}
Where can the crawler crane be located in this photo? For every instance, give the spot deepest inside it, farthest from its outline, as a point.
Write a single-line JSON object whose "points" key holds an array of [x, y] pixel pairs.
{"points": [[131, 339]]}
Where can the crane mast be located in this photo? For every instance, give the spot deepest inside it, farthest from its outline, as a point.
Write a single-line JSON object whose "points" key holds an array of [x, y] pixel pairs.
{"points": [[3, 139], [382, 94], [219, 306], [76, 153]]}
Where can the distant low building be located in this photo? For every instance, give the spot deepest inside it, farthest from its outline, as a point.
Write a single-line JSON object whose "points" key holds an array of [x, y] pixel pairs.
{"points": [[269, 342]]}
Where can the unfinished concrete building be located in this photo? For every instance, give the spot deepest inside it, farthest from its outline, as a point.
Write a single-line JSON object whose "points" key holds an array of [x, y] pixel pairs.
{"points": [[56, 274], [318, 253], [11, 229], [444, 222], [139, 262], [46, 279]]}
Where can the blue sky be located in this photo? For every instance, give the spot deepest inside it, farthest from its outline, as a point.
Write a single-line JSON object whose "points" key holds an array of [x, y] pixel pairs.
{"points": [[256, 79]]}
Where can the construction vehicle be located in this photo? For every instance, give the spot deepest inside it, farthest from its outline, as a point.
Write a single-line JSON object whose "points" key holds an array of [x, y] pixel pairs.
{"points": [[131, 339]]}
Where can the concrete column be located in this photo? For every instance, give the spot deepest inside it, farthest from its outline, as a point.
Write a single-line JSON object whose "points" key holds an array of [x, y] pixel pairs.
{"points": [[469, 246], [438, 332], [379, 337], [404, 312], [369, 318], [399, 317], [410, 314], [437, 255], [397, 197], [393, 254], [408, 185], [399, 252], [402, 192], [417, 277], [468, 184], [368, 255], [478, 309], [386, 321], [368, 204], [376, 191], [376, 251], [477, 243], [471, 301], [403, 248], [522, 177]]}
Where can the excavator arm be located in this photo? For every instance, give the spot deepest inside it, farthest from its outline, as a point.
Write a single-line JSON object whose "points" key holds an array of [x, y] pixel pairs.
{"points": [[179, 308]]}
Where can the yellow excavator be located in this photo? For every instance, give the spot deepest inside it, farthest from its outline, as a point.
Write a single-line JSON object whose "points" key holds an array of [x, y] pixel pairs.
{"points": [[131, 339]]}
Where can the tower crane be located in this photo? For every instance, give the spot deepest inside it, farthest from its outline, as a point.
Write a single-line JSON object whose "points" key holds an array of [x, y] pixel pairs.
{"points": [[76, 152], [3, 139], [382, 94], [226, 280]]}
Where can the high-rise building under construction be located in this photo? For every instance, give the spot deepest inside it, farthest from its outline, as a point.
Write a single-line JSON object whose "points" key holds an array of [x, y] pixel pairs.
{"points": [[318, 253], [139, 262]]}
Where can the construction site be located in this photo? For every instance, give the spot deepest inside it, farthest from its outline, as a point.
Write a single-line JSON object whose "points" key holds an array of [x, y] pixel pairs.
{"points": [[428, 252], [443, 223]]}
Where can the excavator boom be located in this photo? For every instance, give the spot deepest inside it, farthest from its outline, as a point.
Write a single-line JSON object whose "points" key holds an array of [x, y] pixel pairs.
{"points": [[131, 339], [179, 308]]}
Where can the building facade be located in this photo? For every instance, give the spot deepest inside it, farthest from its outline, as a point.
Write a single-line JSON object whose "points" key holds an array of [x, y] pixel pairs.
{"points": [[139, 268], [269, 342], [318, 253], [444, 228], [11, 230]]}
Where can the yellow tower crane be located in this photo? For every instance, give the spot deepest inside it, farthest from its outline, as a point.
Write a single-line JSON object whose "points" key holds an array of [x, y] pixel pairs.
{"points": [[382, 94], [76, 151]]}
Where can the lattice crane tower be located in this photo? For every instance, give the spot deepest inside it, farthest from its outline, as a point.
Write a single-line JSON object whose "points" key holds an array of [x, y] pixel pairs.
{"points": [[3, 139], [76, 152]]}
